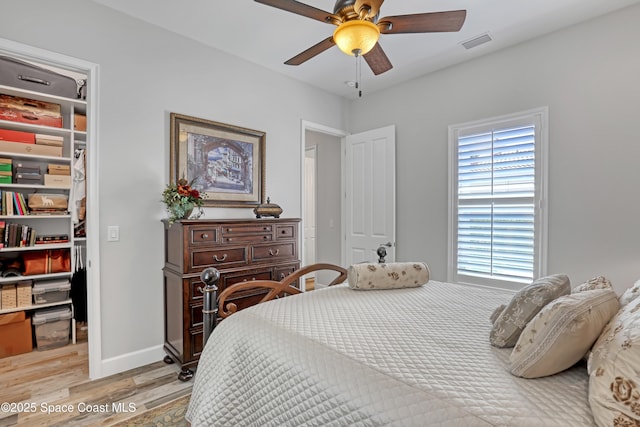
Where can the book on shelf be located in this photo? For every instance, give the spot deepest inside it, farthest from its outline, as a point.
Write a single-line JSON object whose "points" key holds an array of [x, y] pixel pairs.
{"points": [[14, 203], [44, 239]]}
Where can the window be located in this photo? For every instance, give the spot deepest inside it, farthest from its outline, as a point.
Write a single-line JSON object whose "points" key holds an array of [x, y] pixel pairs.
{"points": [[497, 232]]}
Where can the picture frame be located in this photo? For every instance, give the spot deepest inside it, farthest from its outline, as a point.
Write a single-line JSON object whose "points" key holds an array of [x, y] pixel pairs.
{"points": [[226, 163]]}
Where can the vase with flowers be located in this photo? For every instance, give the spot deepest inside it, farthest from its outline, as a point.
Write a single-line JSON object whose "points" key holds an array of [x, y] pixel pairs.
{"points": [[181, 199]]}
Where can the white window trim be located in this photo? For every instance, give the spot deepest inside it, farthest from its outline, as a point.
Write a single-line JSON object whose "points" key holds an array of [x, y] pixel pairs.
{"points": [[541, 115]]}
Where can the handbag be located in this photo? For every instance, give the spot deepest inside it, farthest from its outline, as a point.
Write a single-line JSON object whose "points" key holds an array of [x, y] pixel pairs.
{"points": [[47, 261]]}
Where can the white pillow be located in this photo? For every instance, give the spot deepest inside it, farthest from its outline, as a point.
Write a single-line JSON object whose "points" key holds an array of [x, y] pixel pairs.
{"points": [[614, 370], [388, 276], [562, 333], [630, 294], [524, 305]]}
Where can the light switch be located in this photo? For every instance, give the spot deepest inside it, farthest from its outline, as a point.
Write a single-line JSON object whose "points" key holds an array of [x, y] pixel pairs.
{"points": [[113, 233]]}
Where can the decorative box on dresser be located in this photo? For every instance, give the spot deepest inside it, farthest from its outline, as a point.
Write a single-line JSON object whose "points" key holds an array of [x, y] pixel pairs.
{"points": [[241, 249]]}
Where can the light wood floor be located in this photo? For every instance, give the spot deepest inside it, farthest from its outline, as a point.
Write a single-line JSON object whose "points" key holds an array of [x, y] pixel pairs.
{"points": [[45, 379]]}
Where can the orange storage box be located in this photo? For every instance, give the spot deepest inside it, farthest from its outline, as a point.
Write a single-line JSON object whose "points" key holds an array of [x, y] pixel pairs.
{"points": [[15, 334]]}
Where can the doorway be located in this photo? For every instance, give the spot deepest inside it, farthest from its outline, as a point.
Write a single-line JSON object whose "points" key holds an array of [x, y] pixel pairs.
{"points": [[321, 199], [91, 255]]}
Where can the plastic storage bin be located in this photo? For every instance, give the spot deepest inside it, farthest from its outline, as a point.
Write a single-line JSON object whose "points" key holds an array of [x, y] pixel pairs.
{"points": [[52, 327], [51, 291]]}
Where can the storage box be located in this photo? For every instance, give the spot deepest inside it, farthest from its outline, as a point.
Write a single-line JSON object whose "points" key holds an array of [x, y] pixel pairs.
{"points": [[9, 296], [29, 178], [25, 166], [5, 179], [47, 201], [23, 110], [52, 327], [57, 180], [56, 141], [80, 122], [54, 169], [15, 334], [38, 149], [23, 292], [17, 136], [45, 292]]}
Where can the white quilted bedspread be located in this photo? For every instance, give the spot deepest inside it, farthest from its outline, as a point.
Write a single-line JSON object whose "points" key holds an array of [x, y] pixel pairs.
{"points": [[339, 357]]}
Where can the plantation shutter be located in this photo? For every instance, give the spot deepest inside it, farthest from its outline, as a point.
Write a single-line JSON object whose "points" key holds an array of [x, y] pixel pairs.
{"points": [[496, 193]]}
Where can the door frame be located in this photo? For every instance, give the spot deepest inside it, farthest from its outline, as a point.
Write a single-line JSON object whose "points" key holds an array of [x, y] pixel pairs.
{"points": [[315, 127], [12, 48]]}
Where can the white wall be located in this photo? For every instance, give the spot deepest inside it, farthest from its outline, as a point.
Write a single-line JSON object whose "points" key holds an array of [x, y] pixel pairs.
{"points": [[588, 76], [146, 73]]}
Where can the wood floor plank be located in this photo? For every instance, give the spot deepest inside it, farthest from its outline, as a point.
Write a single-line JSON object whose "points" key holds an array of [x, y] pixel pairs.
{"points": [[60, 377]]}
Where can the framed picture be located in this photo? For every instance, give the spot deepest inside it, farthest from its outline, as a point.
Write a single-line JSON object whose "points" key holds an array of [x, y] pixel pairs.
{"points": [[225, 162]]}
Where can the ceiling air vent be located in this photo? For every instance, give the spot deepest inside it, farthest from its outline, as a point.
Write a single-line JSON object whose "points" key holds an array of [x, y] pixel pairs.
{"points": [[477, 41]]}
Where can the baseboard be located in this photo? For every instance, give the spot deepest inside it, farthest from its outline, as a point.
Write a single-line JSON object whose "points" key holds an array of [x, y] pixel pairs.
{"points": [[115, 365]]}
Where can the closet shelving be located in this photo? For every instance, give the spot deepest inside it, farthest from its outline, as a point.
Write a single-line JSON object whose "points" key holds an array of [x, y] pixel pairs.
{"points": [[61, 224]]}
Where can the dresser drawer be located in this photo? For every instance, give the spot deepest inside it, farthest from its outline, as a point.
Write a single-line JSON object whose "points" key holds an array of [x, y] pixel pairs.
{"points": [[216, 257], [283, 271], [199, 236], [273, 252], [235, 229], [251, 238], [243, 276], [285, 231]]}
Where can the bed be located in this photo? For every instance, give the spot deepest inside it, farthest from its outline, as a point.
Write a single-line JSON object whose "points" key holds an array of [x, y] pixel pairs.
{"points": [[341, 357]]}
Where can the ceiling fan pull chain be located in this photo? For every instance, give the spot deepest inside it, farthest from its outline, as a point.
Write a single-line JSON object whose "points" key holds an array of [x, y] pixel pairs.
{"points": [[359, 75]]}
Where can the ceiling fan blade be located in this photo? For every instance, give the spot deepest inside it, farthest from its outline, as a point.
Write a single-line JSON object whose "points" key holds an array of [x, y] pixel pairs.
{"points": [[377, 60], [423, 22], [311, 52], [374, 6], [302, 9]]}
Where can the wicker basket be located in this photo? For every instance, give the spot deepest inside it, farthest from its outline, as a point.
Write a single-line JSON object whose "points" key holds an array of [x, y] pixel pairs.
{"points": [[23, 292], [9, 296]]}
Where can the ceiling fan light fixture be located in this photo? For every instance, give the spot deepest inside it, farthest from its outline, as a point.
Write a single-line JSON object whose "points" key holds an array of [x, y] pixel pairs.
{"points": [[356, 37]]}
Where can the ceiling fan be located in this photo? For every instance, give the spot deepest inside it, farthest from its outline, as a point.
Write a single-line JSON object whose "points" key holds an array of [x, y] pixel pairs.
{"points": [[359, 28]]}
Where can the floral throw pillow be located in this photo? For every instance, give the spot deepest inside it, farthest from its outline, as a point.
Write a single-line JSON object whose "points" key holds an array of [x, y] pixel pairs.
{"points": [[524, 305], [599, 282], [614, 370], [394, 275], [562, 333]]}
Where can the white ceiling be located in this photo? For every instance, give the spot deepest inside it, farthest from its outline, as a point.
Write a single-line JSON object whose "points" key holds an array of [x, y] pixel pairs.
{"points": [[269, 36]]}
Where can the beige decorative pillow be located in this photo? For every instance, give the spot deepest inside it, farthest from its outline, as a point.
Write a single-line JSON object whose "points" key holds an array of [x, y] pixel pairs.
{"points": [[562, 333], [497, 312], [524, 305], [614, 370], [388, 276], [599, 282], [630, 294]]}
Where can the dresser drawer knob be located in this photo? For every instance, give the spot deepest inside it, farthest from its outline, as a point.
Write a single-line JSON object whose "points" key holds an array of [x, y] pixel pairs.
{"points": [[220, 259], [229, 239], [284, 231], [272, 253], [266, 228], [204, 236], [265, 237], [245, 280], [229, 230]]}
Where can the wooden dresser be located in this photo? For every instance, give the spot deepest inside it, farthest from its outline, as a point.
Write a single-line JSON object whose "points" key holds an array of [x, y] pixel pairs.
{"points": [[242, 250]]}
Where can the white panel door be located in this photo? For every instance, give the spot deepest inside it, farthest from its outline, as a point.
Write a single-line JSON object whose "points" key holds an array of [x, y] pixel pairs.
{"points": [[370, 199]]}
